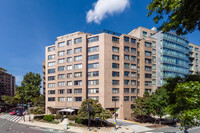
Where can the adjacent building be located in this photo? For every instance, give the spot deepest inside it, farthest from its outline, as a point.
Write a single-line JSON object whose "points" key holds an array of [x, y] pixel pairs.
{"points": [[194, 52], [7, 83]]}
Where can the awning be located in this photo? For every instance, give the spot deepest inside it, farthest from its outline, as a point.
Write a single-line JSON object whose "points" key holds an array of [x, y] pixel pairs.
{"points": [[66, 110]]}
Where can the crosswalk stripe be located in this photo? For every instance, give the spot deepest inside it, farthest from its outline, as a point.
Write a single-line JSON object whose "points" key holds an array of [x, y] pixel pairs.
{"points": [[13, 118]]}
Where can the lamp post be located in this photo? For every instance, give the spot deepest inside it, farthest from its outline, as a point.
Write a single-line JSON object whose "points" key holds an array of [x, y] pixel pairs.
{"points": [[115, 121]]}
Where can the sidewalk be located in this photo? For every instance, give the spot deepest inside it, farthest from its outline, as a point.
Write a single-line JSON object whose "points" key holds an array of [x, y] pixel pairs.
{"points": [[60, 126]]}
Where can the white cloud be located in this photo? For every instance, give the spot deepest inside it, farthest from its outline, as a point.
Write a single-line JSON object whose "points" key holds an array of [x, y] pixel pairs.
{"points": [[103, 8]]}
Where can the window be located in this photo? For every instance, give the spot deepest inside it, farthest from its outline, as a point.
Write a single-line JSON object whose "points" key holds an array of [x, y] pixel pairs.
{"points": [[69, 99], [62, 91], [115, 57], [196, 49], [51, 71], [61, 53], [61, 99], [78, 82], [115, 98], [115, 74], [93, 49], [148, 76], [77, 58], [126, 57], [147, 68], [93, 65], [77, 66], [126, 98], [51, 92], [69, 67], [196, 55], [153, 82], [154, 51], [69, 75], [115, 65], [51, 85], [77, 74], [115, 49], [153, 44], [93, 90], [144, 34], [69, 59], [51, 78], [133, 74], [69, 42], [50, 57], [93, 57], [132, 106], [148, 61], [133, 58], [133, 40], [51, 49], [147, 53], [147, 83], [133, 66], [154, 67], [126, 49], [94, 98], [69, 91], [133, 82], [148, 90], [196, 60], [126, 73], [133, 50], [61, 44], [69, 51], [93, 39], [93, 74], [154, 74], [50, 64], [51, 99], [61, 68], [61, 60], [61, 84], [196, 67], [154, 59], [115, 39], [78, 50], [133, 98], [126, 39], [77, 40], [115, 90], [69, 83], [133, 90], [126, 82], [77, 91], [61, 76], [78, 99], [93, 82], [147, 44], [126, 90], [115, 82], [126, 65]]}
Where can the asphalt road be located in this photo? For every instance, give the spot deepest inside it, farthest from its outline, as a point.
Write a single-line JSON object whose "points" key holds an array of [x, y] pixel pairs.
{"points": [[176, 130], [14, 127]]}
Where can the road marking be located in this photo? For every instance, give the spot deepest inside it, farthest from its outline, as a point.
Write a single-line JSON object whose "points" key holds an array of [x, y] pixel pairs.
{"points": [[133, 121]]}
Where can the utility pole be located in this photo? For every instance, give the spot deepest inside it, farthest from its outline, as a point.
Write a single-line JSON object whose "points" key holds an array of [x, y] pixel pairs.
{"points": [[115, 121]]}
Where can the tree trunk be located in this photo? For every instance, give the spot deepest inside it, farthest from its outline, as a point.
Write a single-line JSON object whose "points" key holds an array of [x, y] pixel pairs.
{"points": [[160, 120]]}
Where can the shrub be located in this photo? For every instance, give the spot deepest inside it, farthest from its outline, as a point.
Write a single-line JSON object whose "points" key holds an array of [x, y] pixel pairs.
{"points": [[71, 124], [38, 117], [58, 116], [48, 118], [79, 121], [72, 117]]}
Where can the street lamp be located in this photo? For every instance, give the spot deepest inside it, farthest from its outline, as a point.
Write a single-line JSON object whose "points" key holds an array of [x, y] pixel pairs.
{"points": [[115, 121], [89, 109]]}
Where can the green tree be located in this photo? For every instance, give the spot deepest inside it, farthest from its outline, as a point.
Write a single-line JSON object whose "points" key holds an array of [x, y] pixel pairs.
{"points": [[38, 101], [141, 109], [97, 110], [158, 102], [187, 104], [30, 87], [105, 114], [183, 16]]}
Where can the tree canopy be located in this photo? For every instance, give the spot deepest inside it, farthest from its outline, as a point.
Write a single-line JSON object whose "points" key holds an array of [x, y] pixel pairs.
{"points": [[183, 16]]}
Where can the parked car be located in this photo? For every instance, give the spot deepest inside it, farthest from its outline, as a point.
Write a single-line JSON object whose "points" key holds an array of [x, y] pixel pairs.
{"points": [[14, 112]]}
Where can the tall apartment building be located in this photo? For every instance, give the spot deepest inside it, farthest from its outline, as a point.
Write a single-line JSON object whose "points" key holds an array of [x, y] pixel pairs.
{"points": [[107, 67], [7, 83], [194, 57], [172, 53]]}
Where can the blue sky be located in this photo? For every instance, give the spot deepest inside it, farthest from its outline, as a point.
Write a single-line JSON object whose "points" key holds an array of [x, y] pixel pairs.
{"points": [[27, 26]]}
